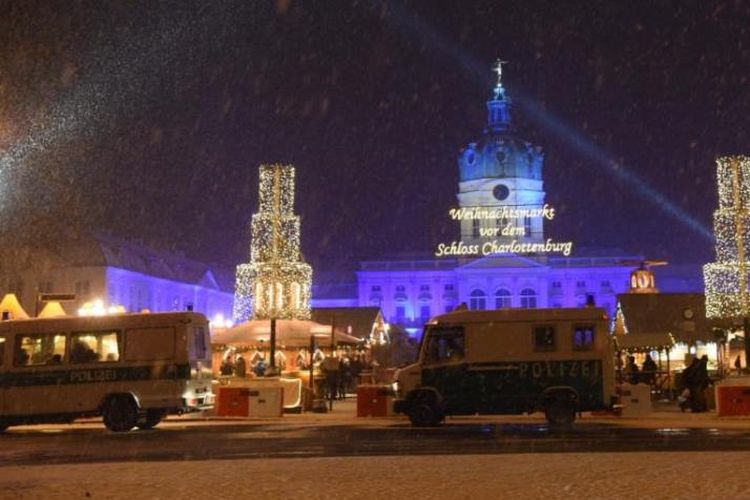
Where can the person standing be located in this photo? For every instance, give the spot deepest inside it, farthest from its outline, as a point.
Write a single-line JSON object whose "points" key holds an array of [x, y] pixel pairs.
{"points": [[631, 371], [649, 370], [227, 367], [330, 368], [345, 377], [260, 367], [700, 381], [240, 367], [687, 383]]}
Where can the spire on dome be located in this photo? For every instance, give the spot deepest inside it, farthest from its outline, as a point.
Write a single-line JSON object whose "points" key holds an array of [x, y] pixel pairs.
{"points": [[498, 68], [498, 107]]}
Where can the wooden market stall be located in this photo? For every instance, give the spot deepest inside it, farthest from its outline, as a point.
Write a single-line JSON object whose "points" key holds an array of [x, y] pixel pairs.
{"points": [[300, 346]]}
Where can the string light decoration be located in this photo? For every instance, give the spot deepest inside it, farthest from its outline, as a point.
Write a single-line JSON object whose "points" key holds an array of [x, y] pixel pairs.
{"points": [[276, 283], [726, 280]]}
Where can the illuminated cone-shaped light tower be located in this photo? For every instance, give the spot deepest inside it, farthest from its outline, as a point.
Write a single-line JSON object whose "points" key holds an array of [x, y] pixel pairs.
{"points": [[276, 283], [726, 279]]}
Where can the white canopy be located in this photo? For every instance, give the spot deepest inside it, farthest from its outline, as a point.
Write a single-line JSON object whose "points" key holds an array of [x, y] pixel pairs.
{"points": [[11, 306], [52, 310], [289, 332]]}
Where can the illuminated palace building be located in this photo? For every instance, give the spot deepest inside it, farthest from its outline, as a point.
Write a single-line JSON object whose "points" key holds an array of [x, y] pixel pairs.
{"points": [[100, 267], [503, 257]]}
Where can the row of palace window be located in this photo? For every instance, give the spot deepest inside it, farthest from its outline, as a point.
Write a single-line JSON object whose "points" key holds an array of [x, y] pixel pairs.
{"points": [[477, 302], [478, 299], [581, 285], [449, 287], [422, 288]]}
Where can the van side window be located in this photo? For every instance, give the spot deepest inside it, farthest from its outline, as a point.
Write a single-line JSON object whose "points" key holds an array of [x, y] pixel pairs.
{"points": [[92, 347], [544, 338], [149, 344], [445, 344], [39, 350], [583, 338]]}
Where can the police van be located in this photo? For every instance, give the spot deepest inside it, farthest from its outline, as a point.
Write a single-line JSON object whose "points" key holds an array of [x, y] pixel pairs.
{"points": [[132, 369], [510, 361]]}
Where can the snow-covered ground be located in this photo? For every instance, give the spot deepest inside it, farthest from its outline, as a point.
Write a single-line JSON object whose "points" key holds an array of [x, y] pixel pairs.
{"points": [[652, 476], [649, 476]]}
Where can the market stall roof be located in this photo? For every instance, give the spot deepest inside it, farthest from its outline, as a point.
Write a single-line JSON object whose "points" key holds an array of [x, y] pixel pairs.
{"points": [[683, 315], [289, 332], [360, 319], [11, 305], [52, 309], [643, 342]]}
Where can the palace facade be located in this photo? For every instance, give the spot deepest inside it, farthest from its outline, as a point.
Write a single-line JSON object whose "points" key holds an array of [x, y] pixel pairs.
{"points": [[503, 257]]}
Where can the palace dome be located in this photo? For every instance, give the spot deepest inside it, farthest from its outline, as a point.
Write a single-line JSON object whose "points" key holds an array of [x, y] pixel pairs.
{"points": [[500, 153]]}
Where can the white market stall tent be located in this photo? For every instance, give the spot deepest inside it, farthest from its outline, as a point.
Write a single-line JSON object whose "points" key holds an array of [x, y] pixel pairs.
{"points": [[289, 333]]}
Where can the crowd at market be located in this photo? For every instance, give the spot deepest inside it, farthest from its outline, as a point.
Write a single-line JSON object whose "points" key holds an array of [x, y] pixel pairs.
{"points": [[340, 374], [691, 385]]}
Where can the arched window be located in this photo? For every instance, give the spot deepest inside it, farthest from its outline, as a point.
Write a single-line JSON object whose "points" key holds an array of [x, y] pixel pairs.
{"points": [[528, 298], [502, 299], [477, 300]]}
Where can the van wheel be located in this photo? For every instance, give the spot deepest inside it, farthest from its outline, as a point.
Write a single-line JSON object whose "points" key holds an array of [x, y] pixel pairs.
{"points": [[152, 419], [120, 413], [560, 414], [425, 411]]}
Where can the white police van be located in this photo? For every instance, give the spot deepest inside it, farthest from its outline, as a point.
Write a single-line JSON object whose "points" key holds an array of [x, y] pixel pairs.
{"points": [[132, 369], [510, 361]]}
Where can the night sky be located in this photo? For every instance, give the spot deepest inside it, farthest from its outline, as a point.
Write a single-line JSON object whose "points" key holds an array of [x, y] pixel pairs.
{"points": [[148, 120]]}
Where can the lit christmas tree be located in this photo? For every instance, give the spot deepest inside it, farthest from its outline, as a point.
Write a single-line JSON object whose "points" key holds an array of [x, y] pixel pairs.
{"points": [[276, 283], [726, 280]]}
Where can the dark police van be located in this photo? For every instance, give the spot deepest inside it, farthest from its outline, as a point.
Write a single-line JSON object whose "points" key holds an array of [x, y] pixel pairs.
{"points": [[510, 361]]}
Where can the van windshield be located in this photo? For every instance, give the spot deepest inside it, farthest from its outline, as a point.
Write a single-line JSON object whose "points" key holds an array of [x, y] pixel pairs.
{"points": [[444, 344]]}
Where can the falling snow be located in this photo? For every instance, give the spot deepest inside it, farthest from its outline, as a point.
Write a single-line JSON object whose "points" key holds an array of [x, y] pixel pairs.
{"points": [[149, 120]]}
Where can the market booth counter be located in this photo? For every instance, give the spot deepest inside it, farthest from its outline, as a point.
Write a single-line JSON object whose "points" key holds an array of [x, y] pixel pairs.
{"points": [[250, 402], [635, 400], [257, 397]]}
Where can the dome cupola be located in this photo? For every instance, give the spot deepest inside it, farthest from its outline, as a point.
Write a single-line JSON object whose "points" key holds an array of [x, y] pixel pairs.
{"points": [[500, 153]]}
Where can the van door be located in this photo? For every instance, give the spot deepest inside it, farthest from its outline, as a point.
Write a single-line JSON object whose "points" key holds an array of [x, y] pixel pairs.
{"points": [[36, 375], [444, 368]]}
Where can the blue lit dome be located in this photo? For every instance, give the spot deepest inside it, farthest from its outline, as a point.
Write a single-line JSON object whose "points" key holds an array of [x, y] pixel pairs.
{"points": [[500, 153]]}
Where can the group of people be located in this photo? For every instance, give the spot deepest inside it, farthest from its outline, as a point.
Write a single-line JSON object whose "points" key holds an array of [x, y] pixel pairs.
{"points": [[643, 375], [342, 374], [238, 366], [694, 380]]}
